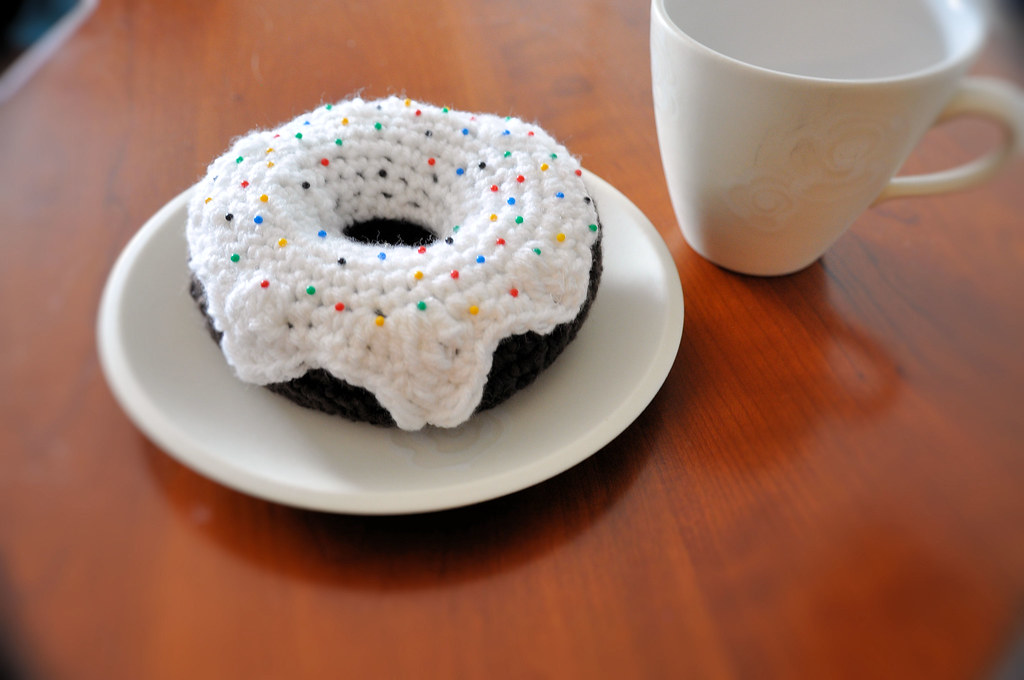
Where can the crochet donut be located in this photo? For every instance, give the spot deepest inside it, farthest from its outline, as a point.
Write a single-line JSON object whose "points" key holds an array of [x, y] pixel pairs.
{"points": [[394, 262]]}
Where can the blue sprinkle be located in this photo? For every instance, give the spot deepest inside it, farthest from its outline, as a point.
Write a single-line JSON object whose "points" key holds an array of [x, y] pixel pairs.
{"points": [[559, 195], [506, 132], [258, 219], [511, 201], [465, 131], [306, 123], [460, 171], [321, 233], [382, 256], [480, 259]]}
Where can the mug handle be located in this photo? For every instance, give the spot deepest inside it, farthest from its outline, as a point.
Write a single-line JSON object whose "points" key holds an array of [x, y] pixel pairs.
{"points": [[990, 98]]}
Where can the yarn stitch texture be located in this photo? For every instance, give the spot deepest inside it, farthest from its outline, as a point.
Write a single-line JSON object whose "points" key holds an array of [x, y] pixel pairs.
{"points": [[292, 285]]}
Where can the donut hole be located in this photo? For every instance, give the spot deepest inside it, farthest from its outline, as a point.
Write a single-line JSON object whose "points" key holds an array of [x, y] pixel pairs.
{"points": [[392, 232]]}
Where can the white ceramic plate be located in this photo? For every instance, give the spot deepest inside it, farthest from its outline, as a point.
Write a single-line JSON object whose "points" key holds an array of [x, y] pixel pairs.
{"points": [[172, 380]]}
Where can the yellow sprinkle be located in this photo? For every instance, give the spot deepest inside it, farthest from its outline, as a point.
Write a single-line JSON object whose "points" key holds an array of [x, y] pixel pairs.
{"points": [[282, 242], [379, 321], [494, 218], [344, 121], [264, 198], [560, 237], [209, 198], [473, 309], [418, 275], [543, 166], [270, 164], [270, 149], [408, 101]]}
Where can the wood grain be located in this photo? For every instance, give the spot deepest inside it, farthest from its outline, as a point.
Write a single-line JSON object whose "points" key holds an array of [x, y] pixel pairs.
{"points": [[828, 484]]}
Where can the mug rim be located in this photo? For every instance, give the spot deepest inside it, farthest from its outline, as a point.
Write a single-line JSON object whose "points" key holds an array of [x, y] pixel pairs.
{"points": [[960, 57]]}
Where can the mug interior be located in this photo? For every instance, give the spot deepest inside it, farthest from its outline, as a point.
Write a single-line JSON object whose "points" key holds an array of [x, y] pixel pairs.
{"points": [[834, 39]]}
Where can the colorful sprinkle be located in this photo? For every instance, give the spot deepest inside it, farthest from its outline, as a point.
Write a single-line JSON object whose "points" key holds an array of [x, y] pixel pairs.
{"points": [[264, 284], [500, 241], [554, 155], [298, 135], [382, 256], [264, 198], [460, 171], [530, 133], [474, 310], [322, 233], [235, 257], [455, 273], [258, 219], [507, 154], [559, 237], [270, 149], [480, 259], [559, 195], [239, 159], [339, 307], [506, 132], [592, 227], [465, 131], [514, 292], [329, 107], [324, 161], [338, 142], [379, 320], [408, 102], [537, 250], [418, 112], [494, 187], [511, 201], [310, 290], [282, 242], [208, 199], [270, 164], [494, 218], [306, 123], [377, 126], [418, 275], [421, 250], [444, 110], [344, 121], [245, 183], [520, 179], [579, 173], [421, 305], [543, 167], [431, 161], [519, 219]]}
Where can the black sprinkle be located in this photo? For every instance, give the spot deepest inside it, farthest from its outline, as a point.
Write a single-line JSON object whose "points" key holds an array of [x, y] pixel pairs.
{"points": [[385, 194], [449, 240], [341, 261], [378, 107], [305, 185], [229, 217], [383, 172], [428, 133], [586, 199], [290, 326], [482, 165], [435, 178]]}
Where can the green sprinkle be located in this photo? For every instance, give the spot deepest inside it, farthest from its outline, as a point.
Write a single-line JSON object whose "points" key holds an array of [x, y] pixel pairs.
{"points": [[238, 160], [235, 257], [444, 110], [455, 229], [377, 126], [508, 117], [507, 154], [593, 227], [421, 305], [310, 290], [298, 135], [554, 155], [329, 107], [338, 142], [537, 250], [519, 219]]}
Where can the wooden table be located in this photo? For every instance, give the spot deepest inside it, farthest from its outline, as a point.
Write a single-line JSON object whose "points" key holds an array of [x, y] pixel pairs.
{"points": [[829, 483]]}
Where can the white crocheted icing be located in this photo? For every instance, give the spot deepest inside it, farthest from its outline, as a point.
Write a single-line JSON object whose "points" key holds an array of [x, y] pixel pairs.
{"points": [[416, 326]]}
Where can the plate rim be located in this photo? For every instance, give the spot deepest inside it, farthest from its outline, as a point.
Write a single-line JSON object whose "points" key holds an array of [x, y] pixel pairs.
{"points": [[171, 438]]}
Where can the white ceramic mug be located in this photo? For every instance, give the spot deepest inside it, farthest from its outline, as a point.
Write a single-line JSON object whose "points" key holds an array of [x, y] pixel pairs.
{"points": [[780, 122]]}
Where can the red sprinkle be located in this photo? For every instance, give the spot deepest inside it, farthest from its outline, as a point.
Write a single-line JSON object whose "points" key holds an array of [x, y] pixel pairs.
{"points": [[500, 241], [579, 173], [324, 161], [430, 161], [514, 292], [455, 273], [276, 136], [340, 306], [530, 133], [421, 250], [264, 284], [418, 112], [245, 183], [494, 187], [520, 179]]}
